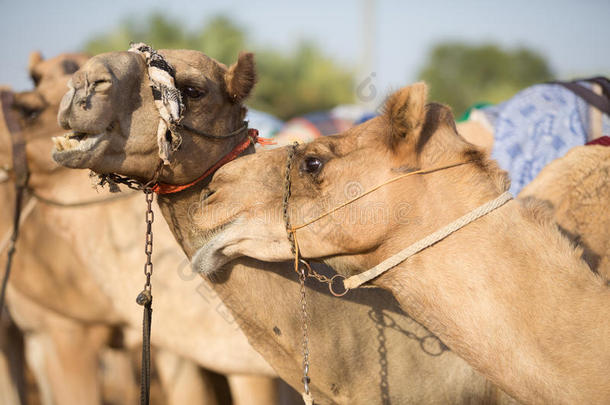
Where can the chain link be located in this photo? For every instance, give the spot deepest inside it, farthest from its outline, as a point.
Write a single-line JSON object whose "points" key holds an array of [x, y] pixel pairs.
{"points": [[301, 271], [148, 249], [304, 328], [145, 296], [287, 191]]}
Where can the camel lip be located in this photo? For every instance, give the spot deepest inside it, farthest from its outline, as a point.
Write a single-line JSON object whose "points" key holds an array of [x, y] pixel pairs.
{"points": [[211, 233], [209, 256], [74, 150], [75, 142]]}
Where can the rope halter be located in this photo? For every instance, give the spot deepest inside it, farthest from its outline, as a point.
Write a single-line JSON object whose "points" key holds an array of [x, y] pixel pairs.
{"points": [[374, 272]]}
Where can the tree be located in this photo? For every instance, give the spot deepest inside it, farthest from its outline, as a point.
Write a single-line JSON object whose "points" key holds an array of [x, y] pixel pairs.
{"points": [[289, 84], [460, 74], [300, 82]]}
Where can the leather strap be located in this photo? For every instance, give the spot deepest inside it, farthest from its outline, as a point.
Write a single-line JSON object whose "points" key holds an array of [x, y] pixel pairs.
{"points": [[599, 101], [20, 164], [251, 139], [20, 170]]}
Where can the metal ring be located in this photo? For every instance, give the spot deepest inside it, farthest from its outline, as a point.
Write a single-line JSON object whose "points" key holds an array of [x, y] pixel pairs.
{"points": [[332, 281]]}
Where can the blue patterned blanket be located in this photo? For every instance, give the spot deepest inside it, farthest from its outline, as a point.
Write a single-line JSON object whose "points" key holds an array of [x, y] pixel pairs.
{"points": [[537, 126]]}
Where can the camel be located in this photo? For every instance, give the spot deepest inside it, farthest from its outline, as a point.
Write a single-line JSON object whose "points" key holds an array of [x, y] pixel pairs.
{"points": [[576, 187], [566, 184], [113, 129], [69, 285], [507, 292]]}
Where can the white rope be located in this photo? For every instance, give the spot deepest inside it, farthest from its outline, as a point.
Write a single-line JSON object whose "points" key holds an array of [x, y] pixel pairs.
{"points": [[359, 279]]}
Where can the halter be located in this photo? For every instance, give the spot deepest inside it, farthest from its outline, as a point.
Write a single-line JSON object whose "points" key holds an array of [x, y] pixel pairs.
{"points": [[21, 174], [368, 275], [168, 101], [360, 279], [251, 139]]}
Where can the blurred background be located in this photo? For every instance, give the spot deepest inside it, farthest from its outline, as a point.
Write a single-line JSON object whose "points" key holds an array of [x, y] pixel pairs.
{"points": [[324, 66], [315, 55]]}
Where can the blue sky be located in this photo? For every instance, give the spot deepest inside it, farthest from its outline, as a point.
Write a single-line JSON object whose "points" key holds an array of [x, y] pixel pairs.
{"points": [[572, 35]]}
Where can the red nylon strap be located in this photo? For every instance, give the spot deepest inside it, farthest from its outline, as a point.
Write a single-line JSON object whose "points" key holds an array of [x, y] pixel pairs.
{"points": [[602, 140], [252, 138]]}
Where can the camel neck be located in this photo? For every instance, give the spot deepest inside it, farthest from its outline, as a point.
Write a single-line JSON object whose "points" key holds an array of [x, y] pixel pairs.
{"points": [[511, 296]]}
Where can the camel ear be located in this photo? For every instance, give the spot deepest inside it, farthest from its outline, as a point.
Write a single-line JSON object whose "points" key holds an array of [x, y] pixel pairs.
{"points": [[240, 77], [405, 112], [34, 59]]}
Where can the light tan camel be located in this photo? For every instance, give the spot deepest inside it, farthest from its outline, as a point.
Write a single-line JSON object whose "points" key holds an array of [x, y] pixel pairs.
{"points": [[507, 292], [75, 272], [363, 350], [577, 188]]}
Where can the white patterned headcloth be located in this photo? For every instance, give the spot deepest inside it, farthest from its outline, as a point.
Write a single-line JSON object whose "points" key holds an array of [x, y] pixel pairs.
{"points": [[168, 99]]}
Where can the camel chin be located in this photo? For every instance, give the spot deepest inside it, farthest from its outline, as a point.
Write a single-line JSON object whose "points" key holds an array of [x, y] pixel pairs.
{"points": [[78, 150]]}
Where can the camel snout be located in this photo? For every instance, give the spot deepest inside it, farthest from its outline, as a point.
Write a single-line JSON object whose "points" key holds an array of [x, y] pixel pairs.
{"points": [[63, 116]]}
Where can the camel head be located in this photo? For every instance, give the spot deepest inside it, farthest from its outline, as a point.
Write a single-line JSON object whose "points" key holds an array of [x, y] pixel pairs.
{"points": [[36, 111], [243, 208], [112, 119]]}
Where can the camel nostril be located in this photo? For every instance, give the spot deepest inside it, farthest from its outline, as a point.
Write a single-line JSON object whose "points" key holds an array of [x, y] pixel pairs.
{"points": [[207, 193]]}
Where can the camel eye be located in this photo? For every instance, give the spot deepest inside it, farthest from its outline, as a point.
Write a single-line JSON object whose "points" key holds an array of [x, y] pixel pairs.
{"points": [[29, 104], [102, 85], [192, 92], [312, 165]]}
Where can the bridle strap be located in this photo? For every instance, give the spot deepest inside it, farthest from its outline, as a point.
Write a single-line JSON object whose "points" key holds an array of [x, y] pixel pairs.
{"points": [[20, 164], [208, 135], [251, 139], [359, 279], [20, 170], [368, 275]]}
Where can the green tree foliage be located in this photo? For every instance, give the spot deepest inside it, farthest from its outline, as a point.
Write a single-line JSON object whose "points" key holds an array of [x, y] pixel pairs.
{"points": [[300, 82], [460, 74], [290, 84]]}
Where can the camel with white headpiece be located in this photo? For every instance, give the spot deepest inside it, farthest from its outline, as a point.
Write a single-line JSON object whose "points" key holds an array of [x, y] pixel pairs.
{"points": [[77, 272], [494, 278], [355, 344]]}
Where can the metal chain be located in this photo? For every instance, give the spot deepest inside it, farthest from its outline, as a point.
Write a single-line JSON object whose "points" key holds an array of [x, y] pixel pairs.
{"points": [[309, 272], [145, 299], [148, 248], [287, 191], [112, 179], [304, 319], [301, 271]]}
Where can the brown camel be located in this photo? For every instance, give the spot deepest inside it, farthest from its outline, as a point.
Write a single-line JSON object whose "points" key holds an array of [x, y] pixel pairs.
{"points": [[68, 283], [507, 292], [355, 342]]}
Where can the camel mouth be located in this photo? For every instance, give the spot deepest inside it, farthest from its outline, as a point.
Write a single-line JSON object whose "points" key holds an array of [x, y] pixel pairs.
{"points": [[211, 233], [76, 141], [210, 256], [75, 149]]}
